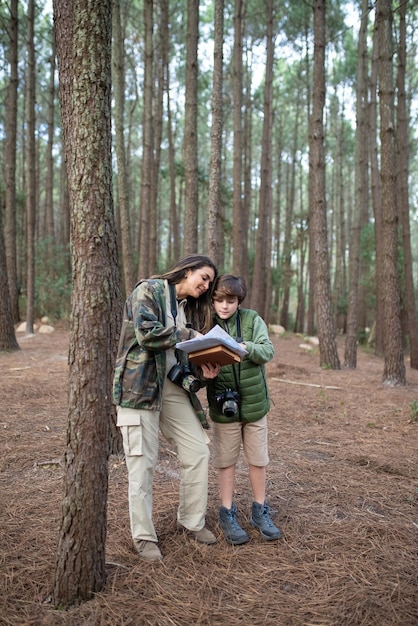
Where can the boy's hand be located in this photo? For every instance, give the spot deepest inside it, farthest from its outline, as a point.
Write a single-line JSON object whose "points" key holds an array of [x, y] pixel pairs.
{"points": [[210, 370]]}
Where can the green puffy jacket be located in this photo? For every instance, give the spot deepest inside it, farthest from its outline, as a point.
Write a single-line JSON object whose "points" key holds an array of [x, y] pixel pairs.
{"points": [[250, 373]]}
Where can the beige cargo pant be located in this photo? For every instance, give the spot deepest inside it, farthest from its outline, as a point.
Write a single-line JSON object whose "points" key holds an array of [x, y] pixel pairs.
{"points": [[181, 427]]}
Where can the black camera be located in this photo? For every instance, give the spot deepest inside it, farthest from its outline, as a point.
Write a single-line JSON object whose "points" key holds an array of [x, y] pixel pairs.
{"points": [[228, 402], [182, 376]]}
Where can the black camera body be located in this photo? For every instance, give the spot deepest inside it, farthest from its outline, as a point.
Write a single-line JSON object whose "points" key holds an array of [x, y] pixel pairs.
{"points": [[182, 376], [228, 402]]}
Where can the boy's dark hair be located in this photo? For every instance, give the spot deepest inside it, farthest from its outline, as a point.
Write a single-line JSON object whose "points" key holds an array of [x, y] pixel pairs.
{"points": [[229, 285]]}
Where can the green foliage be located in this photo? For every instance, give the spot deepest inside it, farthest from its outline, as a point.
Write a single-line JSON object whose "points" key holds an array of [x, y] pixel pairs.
{"points": [[52, 281], [413, 411]]}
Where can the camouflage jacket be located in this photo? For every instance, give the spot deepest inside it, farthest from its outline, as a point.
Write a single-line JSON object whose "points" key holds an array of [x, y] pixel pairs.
{"points": [[140, 369]]}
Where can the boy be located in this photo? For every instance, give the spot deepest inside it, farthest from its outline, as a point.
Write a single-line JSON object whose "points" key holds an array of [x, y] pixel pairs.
{"points": [[238, 404]]}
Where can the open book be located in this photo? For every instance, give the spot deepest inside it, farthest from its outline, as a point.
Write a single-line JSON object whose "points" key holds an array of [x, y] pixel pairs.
{"points": [[215, 347]]}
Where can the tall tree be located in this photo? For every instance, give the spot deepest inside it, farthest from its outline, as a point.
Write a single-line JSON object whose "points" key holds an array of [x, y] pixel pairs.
{"points": [[174, 222], [8, 341], [83, 34], [30, 162], [215, 170], [238, 231], [261, 287], [118, 80], [403, 195], [289, 212], [158, 124], [394, 368], [144, 267], [361, 194], [49, 183], [376, 195], [318, 223], [191, 168], [10, 161]]}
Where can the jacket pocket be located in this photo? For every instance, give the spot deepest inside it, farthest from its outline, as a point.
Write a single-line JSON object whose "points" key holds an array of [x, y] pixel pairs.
{"points": [[140, 378]]}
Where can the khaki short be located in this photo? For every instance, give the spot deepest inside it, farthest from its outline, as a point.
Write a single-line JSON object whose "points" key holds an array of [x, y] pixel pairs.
{"points": [[227, 440]]}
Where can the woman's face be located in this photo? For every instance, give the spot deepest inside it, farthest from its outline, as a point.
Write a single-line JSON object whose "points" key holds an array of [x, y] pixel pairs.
{"points": [[195, 283]]}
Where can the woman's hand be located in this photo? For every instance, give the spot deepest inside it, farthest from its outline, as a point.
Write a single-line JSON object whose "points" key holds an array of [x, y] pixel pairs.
{"points": [[210, 370]]}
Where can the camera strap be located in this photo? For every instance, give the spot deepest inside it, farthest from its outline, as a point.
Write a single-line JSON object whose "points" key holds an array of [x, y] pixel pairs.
{"points": [[239, 339], [173, 307], [173, 301]]}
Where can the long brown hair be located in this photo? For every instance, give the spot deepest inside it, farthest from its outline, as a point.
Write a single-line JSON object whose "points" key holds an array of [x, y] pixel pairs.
{"points": [[198, 310]]}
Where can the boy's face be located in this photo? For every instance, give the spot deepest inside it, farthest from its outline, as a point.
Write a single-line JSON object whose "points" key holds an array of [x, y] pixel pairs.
{"points": [[225, 306]]}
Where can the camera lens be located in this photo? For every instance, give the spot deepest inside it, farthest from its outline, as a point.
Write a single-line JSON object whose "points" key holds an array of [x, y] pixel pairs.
{"points": [[190, 383], [229, 408]]}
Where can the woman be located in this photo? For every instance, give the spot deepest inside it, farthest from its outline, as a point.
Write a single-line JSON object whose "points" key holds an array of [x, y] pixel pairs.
{"points": [[160, 312]]}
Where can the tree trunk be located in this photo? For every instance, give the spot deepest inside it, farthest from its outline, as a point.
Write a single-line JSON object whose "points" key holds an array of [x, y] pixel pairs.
{"points": [[350, 355], [83, 31], [147, 146], [30, 170], [326, 333], [191, 168], [376, 193], [394, 369], [340, 265], [261, 289], [174, 247], [215, 170], [10, 162], [161, 65], [403, 172], [290, 207], [49, 184], [310, 326], [237, 232], [8, 341], [118, 79], [246, 173]]}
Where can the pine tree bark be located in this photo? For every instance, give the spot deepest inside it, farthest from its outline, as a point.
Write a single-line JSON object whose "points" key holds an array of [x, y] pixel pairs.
{"points": [[10, 162], [160, 70], [394, 368], [118, 79], [83, 32], [49, 183], [8, 341], [144, 244], [261, 287], [376, 193], [403, 195], [191, 168], [30, 161], [215, 170], [326, 333], [286, 264], [238, 233], [350, 354]]}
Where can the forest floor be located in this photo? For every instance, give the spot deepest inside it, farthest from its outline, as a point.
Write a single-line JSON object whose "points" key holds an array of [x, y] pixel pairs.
{"points": [[342, 485]]}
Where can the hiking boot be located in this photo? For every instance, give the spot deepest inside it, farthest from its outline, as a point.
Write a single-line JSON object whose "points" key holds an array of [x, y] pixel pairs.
{"points": [[204, 535], [232, 530], [148, 550], [260, 518]]}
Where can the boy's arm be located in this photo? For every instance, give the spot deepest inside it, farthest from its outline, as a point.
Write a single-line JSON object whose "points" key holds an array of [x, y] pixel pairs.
{"points": [[260, 348]]}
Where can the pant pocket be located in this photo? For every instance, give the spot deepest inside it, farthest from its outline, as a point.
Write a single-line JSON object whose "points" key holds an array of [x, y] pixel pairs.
{"points": [[132, 440]]}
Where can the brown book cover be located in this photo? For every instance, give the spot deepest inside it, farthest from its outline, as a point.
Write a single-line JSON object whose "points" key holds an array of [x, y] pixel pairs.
{"points": [[217, 354]]}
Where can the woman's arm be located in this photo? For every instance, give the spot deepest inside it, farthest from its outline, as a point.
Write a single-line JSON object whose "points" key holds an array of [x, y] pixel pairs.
{"points": [[148, 313]]}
